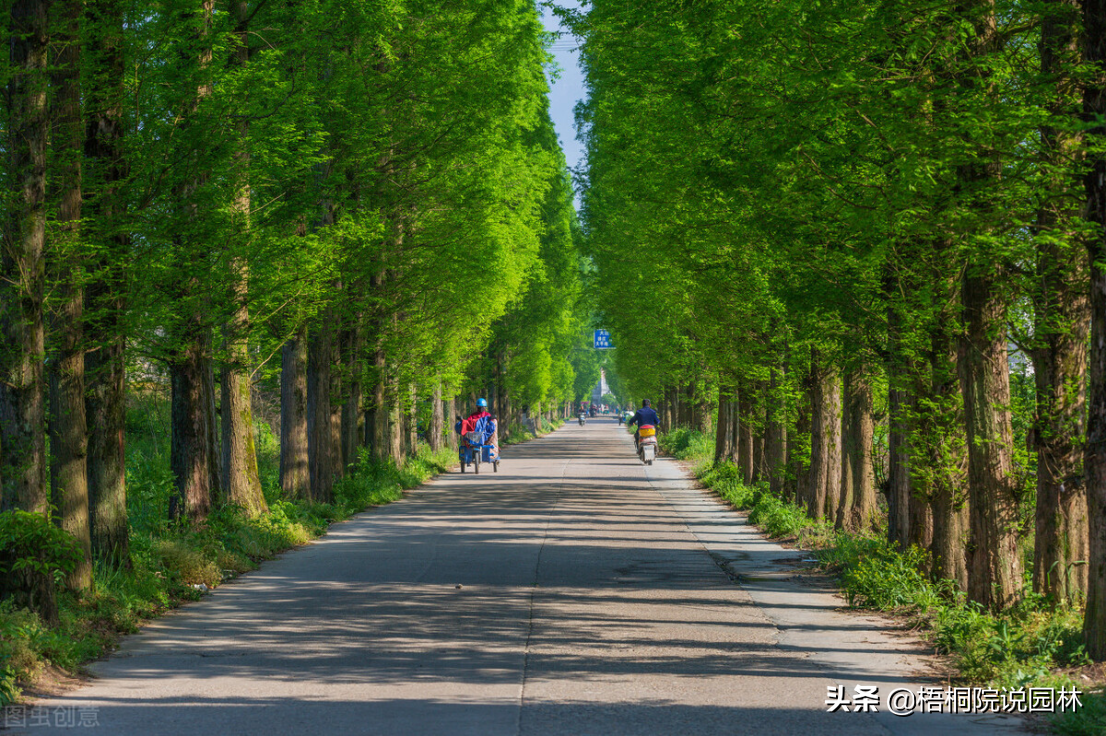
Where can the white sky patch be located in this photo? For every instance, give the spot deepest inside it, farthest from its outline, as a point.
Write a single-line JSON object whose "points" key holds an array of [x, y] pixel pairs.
{"points": [[568, 89]]}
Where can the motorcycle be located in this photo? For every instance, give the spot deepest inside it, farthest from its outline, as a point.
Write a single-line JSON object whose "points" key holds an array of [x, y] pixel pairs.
{"points": [[582, 417], [645, 442]]}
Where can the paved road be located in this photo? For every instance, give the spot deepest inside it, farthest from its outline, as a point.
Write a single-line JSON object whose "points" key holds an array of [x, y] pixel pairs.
{"points": [[597, 596]]}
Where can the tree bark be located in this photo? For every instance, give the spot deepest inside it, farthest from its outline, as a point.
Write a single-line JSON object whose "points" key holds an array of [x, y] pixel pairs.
{"points": [[722, 434], [191, 445], [68, 429], [938, 454], [898, 464], [995, 569], [379, 408], [745, 436], [411, 420], [798, 449], [241, 481], [394, 412], [194, 449], [320, 434], [105, 295], [758, 430], [22, 267], [776, 437], [1094, 457], [351, 407], [1061, 309], [669, 416], [857, 508], [825, 441], [451, 419], [294, 476], [687, 405], [337, 401], [437, 421]]}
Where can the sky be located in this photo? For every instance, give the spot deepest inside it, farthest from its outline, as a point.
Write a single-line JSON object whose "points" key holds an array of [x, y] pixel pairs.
{"points": [[566, 91]]}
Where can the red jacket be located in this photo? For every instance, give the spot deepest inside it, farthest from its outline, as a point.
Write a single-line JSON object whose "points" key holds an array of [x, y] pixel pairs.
{"points": [[469, 425]]}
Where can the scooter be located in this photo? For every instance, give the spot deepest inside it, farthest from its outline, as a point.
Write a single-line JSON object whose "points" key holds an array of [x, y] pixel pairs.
{"points": [[645, 442], [583, 418]]}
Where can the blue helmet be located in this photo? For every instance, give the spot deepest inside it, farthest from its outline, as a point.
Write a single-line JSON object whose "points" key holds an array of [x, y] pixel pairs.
{"points": [[482, 402]]}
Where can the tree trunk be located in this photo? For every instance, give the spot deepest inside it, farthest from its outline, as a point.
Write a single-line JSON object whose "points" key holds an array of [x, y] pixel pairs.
{"points": [[395, 420], [1061, 311], [745, 435], [351, 407], [722, 434], [857, 509], [938, 452], [379, 409], [320, 435], [68, 430], [687, 406], [294, 476], [194, 451], [22, 267], [825, 442], [22, 279], [105, 305], [668, 416], [437, 421], [995, 568], [191, 431], [776, 438], [241, 480], [411, 420], [1094, 458], [451, 420], [1062, 315], [799, 449], [760, 452], [898, 465]]}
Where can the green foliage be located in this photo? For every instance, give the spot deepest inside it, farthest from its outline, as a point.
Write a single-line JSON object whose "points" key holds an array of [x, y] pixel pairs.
{"points": [[9, 691], [30, 545], [685, 444], [1090, 720]]}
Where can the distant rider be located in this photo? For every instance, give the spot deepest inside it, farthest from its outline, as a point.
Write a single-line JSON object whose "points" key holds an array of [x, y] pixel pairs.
{"points": [[645, 416]]}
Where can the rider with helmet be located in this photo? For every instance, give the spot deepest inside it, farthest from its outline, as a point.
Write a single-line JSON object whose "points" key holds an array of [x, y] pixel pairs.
{"points": [[483, 422], [644, 417]]}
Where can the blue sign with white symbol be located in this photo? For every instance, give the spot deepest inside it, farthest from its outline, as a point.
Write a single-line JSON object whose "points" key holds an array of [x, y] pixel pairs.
{"points": [[603, 340]]}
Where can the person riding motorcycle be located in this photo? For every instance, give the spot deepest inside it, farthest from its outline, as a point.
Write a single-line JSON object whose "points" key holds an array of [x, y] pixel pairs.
{"points": [[645, 416]]}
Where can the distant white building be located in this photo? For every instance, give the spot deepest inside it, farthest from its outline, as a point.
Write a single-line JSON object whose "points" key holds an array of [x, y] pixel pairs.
{"points": [[601, 389]]}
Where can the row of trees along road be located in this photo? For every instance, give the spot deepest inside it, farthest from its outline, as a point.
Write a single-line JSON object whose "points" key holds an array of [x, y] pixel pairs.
{"points": [[359, 206], [875, 231]]}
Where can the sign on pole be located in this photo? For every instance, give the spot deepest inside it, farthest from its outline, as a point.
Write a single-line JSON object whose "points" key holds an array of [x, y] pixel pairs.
{"points": [[603, 340]]}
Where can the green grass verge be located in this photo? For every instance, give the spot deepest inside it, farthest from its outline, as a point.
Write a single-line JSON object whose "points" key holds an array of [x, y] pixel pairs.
{"points": [[167, 559], [1032, 644]]}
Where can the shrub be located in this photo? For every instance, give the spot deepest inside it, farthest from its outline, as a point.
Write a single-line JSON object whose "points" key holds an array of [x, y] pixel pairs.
{"points": [[187, 563], [1090, 720], [31, 545]]}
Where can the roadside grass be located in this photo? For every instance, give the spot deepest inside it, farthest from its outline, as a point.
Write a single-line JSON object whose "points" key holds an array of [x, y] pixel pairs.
{"points": [[170, 561], [1033, 644]]}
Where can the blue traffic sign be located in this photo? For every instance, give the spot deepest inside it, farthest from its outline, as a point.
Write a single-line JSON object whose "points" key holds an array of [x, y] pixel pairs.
{"points": [[603, 340]]}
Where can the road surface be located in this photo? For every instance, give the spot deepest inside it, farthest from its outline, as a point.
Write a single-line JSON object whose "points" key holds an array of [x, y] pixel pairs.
{"points": [[574, 592]]}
